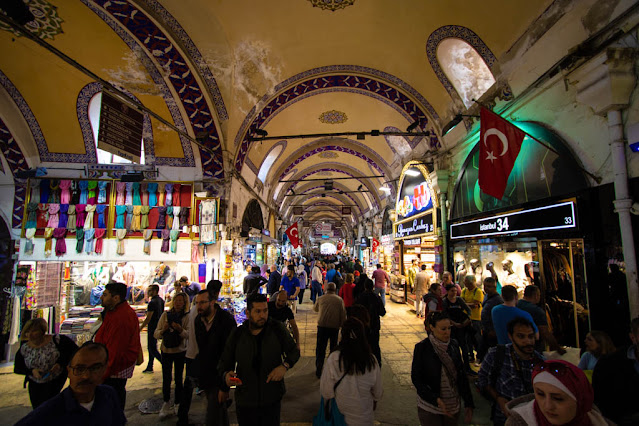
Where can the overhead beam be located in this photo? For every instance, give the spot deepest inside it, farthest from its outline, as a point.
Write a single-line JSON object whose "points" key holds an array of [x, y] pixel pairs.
{"points": [[359, 135], [331, 178]]}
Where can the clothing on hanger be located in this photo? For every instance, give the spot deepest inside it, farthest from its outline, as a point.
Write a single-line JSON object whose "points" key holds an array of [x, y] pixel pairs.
{"points": [[120, 187], [100, 209], [175, 234], [166, 235], [147, 234], [88, 240], [144, 217], [54, 218], [60, 244], [84, 191], [91, 197], [152, 188], [48, 244], [119, 217], [80, 212], [64, 216], [65, 193], [99, 239], [79, 237], [88, 222], [120, 234], [102, 195], [71, 222]]}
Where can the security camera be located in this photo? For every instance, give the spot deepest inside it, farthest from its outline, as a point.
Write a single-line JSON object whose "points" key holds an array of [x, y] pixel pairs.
{"points": [[634, 209]]}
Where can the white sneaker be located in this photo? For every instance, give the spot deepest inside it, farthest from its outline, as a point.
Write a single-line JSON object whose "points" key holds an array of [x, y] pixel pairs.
{"points": [[176, 407], [166, 410]]}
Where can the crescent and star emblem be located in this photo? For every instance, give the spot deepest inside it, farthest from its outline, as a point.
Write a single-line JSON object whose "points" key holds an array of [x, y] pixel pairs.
{"points": [[504, 140], [294, 232]]}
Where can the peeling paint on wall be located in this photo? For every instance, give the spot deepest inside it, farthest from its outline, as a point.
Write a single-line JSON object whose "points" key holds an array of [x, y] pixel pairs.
{"points": [[133, 76], [599, 15]]}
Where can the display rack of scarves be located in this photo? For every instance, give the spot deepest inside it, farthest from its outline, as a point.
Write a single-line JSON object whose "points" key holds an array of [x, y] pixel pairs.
{"points": [[60, 244], [64, 216], [65, 193], [84, 191], [144, 217], [75, 193], [176, 218], [80, 213], [48, 244], [135, 223], [90, 210], [177, 194], [184, 216], [128, 200], [32, 215], [144, 194], [161, 224], [147, 234], [161, 189], [100, 209], [120, 234], [129, 216], [102, 195], [120, 187], [175, 234], [54, 194], [54, 218], [136, 194], [44, 191], [35, 190], [169, 217], [168, 196], [99, 239], [79, 238], [88, 240], [119, 217], [29, 234], [166, 235], [152, 188], [91, 197], [71, 223]]}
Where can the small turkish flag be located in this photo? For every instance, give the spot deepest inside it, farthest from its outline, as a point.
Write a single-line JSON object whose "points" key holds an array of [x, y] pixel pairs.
{"points": [[340, 246], [375, 245], [499, 146], [293, 235]]}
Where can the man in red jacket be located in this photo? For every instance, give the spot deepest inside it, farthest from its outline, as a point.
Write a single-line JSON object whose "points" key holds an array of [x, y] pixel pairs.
{"points": [[120, 334]]}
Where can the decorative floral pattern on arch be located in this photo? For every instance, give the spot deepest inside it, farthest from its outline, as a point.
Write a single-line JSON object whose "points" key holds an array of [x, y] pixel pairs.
{"points": [[462, 33], [17, 163], [333, 117], [46, 24], [326, 148]]}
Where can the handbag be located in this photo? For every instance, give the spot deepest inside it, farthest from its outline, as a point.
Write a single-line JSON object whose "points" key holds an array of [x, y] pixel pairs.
{"points": [[329, 413]]}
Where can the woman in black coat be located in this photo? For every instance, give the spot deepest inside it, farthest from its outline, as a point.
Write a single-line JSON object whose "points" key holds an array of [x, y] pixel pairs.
{"points": [[437, 373]]}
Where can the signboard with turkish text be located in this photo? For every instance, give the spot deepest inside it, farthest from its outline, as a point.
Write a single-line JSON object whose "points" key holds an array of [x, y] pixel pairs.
{"points": [[556, 216], [414, 196], [413, 228], [120, 131]]}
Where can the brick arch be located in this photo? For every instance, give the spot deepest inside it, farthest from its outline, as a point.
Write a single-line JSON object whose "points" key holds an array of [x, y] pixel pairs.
{"points": [[337, 78]]}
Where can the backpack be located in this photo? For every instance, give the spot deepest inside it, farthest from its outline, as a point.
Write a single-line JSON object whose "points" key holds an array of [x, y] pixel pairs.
{"points": [[498, 361], [171, 338]]}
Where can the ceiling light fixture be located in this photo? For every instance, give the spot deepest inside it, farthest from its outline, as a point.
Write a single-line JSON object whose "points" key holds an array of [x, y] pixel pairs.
{"points": [[411, 172], [412, 126], [385, 189]]}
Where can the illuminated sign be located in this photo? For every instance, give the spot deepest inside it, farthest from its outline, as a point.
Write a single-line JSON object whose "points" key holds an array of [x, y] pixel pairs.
{"points": [[416, 227], [414, 196], [556, 216]]}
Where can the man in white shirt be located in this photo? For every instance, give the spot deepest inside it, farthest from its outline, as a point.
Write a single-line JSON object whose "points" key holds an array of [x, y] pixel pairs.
{"points": [[316, 282]]}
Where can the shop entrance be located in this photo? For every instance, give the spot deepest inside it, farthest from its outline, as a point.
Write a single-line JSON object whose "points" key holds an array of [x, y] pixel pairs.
{"points": [[564, 289]]}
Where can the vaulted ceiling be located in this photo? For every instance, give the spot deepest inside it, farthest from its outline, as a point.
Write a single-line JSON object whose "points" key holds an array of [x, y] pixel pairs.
{"points": [[228, 67]]}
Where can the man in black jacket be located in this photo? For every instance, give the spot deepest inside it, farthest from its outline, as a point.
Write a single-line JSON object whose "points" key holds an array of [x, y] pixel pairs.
{"points": [[616, 382], [213, 326], [258, 353], [376, 309], [274, 280], [253, 281]]}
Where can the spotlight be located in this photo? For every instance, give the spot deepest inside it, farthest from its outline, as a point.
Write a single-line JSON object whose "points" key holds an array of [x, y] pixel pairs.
{"points": [[412, 172], [361, 136], [374, 132], [328, 185], [359, 188], [454, 122], [412, 126], [132, 177]]}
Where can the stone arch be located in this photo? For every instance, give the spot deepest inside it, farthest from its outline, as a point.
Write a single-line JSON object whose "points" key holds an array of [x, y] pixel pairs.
{"points": [[252, 217], [344, 198], [269, 153]]}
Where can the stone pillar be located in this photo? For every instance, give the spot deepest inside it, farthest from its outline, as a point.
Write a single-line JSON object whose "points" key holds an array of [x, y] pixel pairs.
{"points": [[605, 83], [439, 182]]}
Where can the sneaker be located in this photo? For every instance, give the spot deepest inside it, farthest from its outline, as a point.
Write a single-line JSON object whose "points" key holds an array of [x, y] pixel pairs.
{"points": [[199, 391], [166, 410], [147, 371], [176, 408]]}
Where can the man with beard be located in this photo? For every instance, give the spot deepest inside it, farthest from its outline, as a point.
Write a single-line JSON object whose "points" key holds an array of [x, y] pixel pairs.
{"points": [[278, 310], [213, 325], [506, 372], [85, 401], [256, 356]]}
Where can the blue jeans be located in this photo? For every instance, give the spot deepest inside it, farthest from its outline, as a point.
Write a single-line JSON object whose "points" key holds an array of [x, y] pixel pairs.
{"points": [[316, 290], [152, 347], [381, 292]]}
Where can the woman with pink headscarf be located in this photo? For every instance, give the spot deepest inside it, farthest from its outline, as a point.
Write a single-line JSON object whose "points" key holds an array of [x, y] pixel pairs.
{"points": [[562, 396]]}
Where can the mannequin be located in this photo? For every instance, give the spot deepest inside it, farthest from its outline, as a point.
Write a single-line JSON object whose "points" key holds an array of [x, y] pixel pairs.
{"points": [[512, 278], [475, 266], [461, 271], [490, 272]]}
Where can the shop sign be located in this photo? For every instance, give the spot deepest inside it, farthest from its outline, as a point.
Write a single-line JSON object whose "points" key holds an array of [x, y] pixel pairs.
{"points": [[416, 227], [120, 130], [387, 240], [413, 242], [364, 242], [556, 216], [414, 196]]}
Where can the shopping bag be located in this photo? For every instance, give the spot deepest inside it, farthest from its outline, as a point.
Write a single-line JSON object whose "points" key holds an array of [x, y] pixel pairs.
{"points": [[329, 414], [140, 359]]}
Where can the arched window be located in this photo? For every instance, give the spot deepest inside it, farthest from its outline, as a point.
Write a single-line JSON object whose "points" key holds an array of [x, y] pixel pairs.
{"points": [[105, 157], [465, 69], [269, 160]]}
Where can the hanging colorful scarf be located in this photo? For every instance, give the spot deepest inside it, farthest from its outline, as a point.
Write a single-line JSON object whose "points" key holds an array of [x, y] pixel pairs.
{"points": [[144, 220], [120, 234], [79, 237], [32, 215], [147, 234], [54, 194], [129, 194], [80, 215], [60, 244], [177, 194], [88, 240], [71, 223], [99, 239], [153, 199], [44, 191], [176, 218], [184, 216], [43, 216], [161, 189], [75, 193], [93, 184], [29, 234], [169, 194], [35, 191], [144, 194], [169, 217], [195, 252], [175, 234], [119, 217], [161, 218], [54, 209], [88, 222], [48, 244], [166, 235], [136, 194], [65, 193], [84, 193], [102, 195], [64, 216], [119, 193], [100, 209], [135, 223], [129, 216]]}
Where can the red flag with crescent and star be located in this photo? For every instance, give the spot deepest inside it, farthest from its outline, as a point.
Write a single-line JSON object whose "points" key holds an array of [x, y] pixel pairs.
{"points": [[340, 246], [293, 235], [499, 145], [375, 245]]}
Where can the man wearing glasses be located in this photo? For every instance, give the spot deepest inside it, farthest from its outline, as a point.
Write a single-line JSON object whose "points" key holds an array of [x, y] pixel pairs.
{"points": [[86, 401]]}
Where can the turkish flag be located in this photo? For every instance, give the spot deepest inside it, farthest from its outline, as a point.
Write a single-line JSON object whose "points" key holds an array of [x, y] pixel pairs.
{"points": [[293, 235], [340, 246], [375, 245], [499, 145]]}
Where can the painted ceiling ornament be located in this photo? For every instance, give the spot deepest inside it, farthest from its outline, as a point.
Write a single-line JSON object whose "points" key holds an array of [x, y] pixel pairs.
{"points": [[325, 173], [328, 154], [331, 5], [46, 24], [333, 117]]}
